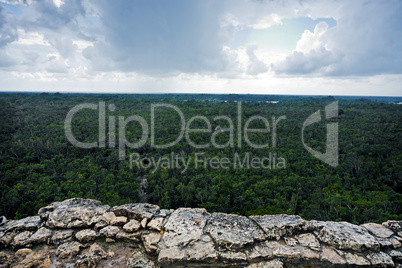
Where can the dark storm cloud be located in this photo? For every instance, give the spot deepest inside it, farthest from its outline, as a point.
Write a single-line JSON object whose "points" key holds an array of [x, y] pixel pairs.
{"points": [[161, 36]]}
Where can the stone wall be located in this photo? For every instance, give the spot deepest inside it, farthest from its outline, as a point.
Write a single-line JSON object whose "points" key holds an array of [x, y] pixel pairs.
{"points": [[84, 233]]}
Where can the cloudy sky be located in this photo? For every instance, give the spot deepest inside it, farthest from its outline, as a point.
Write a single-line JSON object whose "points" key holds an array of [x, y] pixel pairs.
{"points": [[202, 46]]}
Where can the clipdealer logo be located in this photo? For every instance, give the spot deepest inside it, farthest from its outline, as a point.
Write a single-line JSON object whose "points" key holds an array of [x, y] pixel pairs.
{"points": [[148, 131], [331, 155]]}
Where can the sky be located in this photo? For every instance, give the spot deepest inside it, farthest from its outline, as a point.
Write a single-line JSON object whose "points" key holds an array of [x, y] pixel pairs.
{"points": [[304, 47]]}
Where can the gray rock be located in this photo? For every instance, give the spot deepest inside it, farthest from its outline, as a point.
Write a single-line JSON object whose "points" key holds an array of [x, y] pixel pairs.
{"points": [[107, 217], [150, 240], [276, 226], [331, 256], [140, 260], [232, 256], [29, 258], [87, 262], [260, 251], [61, 236], [309, 255], [73, 213], [118, 221], [191, 238], [308, 240], [109, 231], [184, 225], [389, 242], [132, 226], [29, 223], [380, 258], [267, 264], [86, 235], [41, 236], [173, 254], [132, 237], [69, 249], [395, 226], [137, 211], [6, 238], [21, 239], [378, 230], [96, 250], [164, 212], [233, 232], [100, 225], [155, 224], [291, 241], [144, 222], [5, 258], [356, 259], [91, 257], [200, 251], [344, 235], [280, 249], [3, 220], [395, 254]]}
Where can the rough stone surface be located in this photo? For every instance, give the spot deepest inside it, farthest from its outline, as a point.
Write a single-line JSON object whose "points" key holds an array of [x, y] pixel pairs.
{"points": [[86, 235], [267, 264], [91, 257], [72, 213], [378, 230], [156, 224], [132, 226], [118, 221], [308, 240], [107, 218], [61, 236], [396, 254], [41, 236], [144, 222], [396, 226], [331, 256], [21, 239], [109, 231], [31, 259], [233, 232], [134, 237], [6, 238], [356, 259], [185, 225], [380, 258], [140, 260], [68, 249], [344, 235], [260, 251], [137, 211], [29, 223], [83, 233], [151, 240], [277, 226]]}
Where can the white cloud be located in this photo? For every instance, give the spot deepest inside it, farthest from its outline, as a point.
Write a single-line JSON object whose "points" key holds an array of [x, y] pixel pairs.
{"points": [[255, 65], [30, 38], [268, 21], [365, 41], [179, 45], [309, 40], [318, 61], [82, 44], [310, 55], [16, 2], [58, 3]]}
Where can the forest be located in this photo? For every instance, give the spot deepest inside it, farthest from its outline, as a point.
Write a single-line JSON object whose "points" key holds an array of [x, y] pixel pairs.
{"points": [[40, 165]]}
